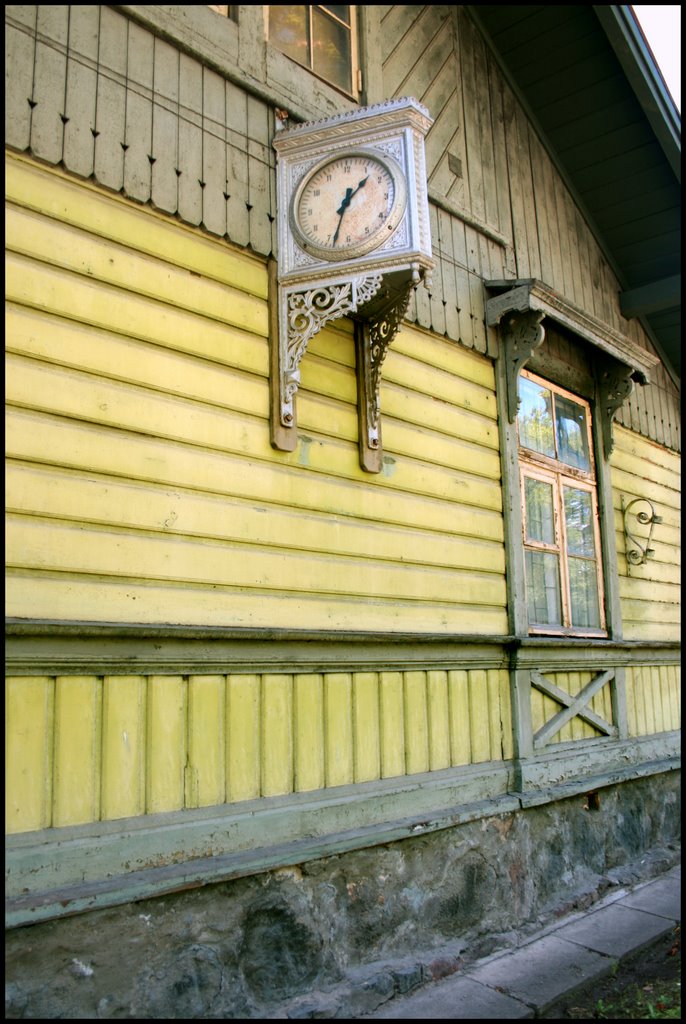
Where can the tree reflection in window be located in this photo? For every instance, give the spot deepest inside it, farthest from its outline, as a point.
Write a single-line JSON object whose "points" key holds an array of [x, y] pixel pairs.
{"points": [[318, 36], [561, 537]]}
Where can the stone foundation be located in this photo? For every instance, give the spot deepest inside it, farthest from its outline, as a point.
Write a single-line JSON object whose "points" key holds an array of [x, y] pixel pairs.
{"points": [[353, 928]]}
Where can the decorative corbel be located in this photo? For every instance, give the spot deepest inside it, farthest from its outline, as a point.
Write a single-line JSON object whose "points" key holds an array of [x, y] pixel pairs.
{"points": [[301, 313], [523, 332], [615, 384], [373, 335]]}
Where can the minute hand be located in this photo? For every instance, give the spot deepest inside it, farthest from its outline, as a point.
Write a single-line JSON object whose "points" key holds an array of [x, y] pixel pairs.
{"points": [[349, 193]]}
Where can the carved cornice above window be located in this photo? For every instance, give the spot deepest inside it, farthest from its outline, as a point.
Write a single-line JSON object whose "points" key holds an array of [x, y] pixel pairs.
{"points": [[533, 295], [519, 308]]}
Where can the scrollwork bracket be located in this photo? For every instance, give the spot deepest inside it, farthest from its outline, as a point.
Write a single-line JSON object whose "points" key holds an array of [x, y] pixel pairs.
{"points": [[523, 332]]}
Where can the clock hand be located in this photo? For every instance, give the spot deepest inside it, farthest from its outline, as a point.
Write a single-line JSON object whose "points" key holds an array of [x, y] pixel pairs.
{"points": [[349, 193]]}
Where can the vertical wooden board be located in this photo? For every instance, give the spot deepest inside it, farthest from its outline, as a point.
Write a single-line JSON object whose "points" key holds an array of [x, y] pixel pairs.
{"points": [[213, 153], [476, 290], [165, 127], [422, 301], [76, 779], [631, 702], [438, 720], [462, 287], [676, 696], [392, 724], [237, 213], [506, 715], [338, 728], [166, 730], [537, 710], [206, 770], [277, 735], [436, 299], [542, 211], [416, 723], [447, 272], [493, 707], [49, 77], [110, 114], [123, 746], [81, 90], [260, 163], [521, 254], [29, 711], [308, 732], [661, 718], [189, 164], [460, 732], [504, 222], [478, 716], [20, 51], [366, 727], [243, 740], [565, 681], [138, 139]]}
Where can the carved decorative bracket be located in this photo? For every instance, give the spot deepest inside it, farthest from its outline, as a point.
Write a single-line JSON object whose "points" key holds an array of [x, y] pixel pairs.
{"points": [[522, 335], [373, 335], [615, 384], [378, 304]]}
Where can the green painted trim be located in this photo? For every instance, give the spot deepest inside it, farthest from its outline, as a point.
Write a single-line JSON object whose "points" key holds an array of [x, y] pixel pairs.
{"points": [[82, 648], [60, 872]]}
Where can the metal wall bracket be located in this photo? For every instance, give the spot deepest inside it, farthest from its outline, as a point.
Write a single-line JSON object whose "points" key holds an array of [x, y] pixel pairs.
{"points": [[638, 551]]}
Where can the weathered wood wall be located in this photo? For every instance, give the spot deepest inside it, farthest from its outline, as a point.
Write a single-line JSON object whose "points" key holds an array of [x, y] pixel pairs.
{"points": [[105, 97], [142, 483], [86, 748], [650, 593]]}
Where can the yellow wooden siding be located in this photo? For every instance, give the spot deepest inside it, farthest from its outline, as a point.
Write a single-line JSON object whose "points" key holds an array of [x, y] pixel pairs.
{"points": [[142, 486], [653, 696], [87, 748], [650, 593]]}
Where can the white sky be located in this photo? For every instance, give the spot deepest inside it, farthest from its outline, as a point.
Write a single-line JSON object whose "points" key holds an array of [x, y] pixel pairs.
{"points": [[662, 28]]}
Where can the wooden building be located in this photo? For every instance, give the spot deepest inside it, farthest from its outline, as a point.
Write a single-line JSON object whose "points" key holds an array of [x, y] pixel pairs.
{"points": [[226, 657]]}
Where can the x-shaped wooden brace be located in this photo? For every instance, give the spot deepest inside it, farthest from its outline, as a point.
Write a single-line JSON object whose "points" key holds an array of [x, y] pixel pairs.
{"points": [[571, 706]]}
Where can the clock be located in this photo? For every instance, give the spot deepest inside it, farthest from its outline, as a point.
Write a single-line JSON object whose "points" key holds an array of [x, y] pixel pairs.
{"points": [[354, 240], [348, 204]]}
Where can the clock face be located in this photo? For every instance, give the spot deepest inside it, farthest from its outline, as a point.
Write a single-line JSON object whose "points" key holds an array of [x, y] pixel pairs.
{"points": [[348, 205]]}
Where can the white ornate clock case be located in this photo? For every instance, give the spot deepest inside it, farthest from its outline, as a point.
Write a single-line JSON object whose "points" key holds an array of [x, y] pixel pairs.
{"points": [[353, 239]]}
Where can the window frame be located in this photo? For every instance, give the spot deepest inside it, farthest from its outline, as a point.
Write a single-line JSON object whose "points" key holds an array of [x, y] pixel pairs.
{"points": [[353, 28], [558, 474]]}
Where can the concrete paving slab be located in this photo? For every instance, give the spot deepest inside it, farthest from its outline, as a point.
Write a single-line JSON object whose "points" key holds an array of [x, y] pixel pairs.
{"points": [[662, 897], [456, 999], [543, 971], [616, 930]]}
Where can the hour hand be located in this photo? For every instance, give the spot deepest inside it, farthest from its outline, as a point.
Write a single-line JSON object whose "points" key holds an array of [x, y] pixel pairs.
{"points": [[346, 202]]}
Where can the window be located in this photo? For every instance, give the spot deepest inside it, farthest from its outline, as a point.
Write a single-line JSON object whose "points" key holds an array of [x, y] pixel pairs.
{"points": [[321, 37], [560, 511]]}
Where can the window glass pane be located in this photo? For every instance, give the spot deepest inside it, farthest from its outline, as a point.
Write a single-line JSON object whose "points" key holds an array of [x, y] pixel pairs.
{"points": [[543, 588], [579, 522], [288, 31], [536, 418], [331, 50], [540, 516], [583, 587], [572, 435]]}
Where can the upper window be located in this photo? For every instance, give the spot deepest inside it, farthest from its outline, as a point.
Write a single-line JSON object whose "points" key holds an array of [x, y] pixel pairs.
{"points": [[321, 37], [560, 511]]}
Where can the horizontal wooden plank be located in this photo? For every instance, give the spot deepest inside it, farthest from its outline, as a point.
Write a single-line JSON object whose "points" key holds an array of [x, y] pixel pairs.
{"points": [[444, 355], [109, 217], [83, 447], [52, 545], [628, 442], [110, 501], [32, 237], [39, 596], [114, 405]]}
